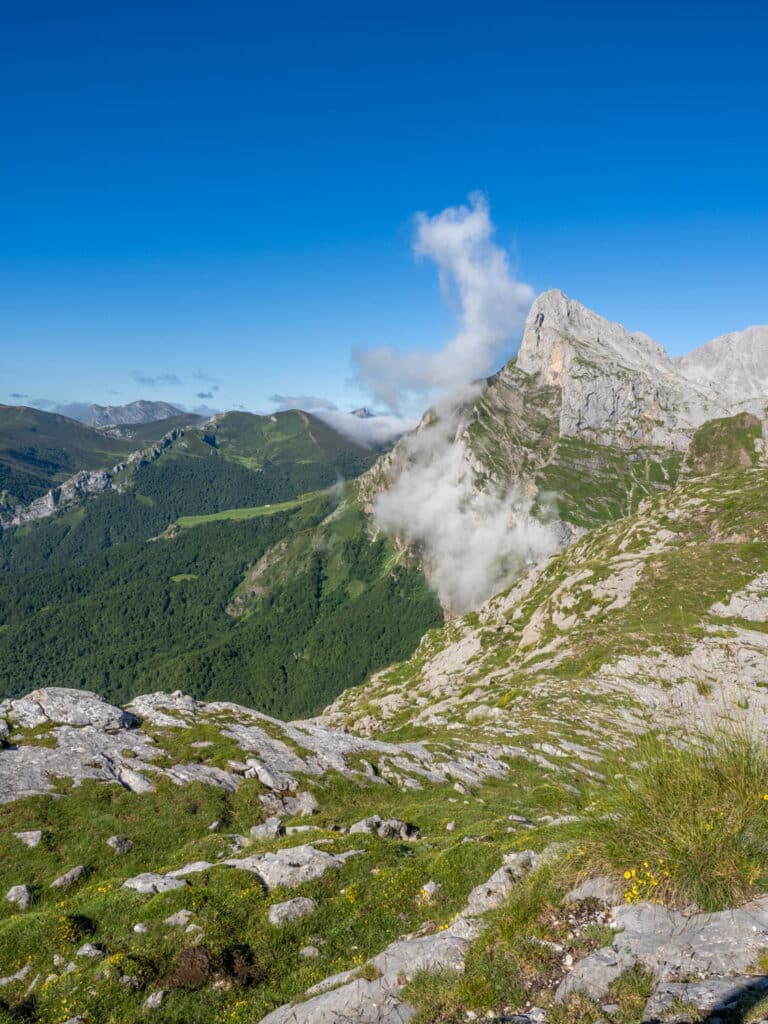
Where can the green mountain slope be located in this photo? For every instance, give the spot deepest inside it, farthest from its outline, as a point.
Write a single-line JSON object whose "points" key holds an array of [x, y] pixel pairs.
{"points": [[130, 589], [39, 449]]}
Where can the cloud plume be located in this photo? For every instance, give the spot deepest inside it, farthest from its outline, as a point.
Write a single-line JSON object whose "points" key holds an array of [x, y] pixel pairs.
{"points": [[473, 539], [475, 275]]}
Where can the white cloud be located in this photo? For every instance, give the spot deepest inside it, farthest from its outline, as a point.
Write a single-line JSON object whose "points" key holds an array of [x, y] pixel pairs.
{"points": [[472, 541], [370, 431], [492, 304]]}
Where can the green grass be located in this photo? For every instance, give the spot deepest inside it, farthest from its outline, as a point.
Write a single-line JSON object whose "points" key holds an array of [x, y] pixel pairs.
{"points": [[685, 824], [254, 512]]}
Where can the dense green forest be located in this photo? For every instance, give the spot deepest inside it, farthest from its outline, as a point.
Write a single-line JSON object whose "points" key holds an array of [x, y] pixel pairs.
{"points": [[110, 595], [144, 616]]}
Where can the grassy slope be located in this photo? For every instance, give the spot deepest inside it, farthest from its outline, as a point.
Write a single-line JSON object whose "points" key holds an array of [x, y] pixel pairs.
{"points": [[238, 514], [514, 433]]}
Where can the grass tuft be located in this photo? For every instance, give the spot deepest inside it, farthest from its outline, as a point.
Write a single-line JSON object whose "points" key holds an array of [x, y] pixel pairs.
{"points": [[686, 825]]}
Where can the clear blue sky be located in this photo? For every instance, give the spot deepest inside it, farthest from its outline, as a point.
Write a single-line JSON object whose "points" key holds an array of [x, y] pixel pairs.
{"points": [[222, 192]]}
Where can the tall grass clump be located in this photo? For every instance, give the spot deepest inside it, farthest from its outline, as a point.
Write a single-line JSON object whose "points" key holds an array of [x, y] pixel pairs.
{"points": [[685, 824]]}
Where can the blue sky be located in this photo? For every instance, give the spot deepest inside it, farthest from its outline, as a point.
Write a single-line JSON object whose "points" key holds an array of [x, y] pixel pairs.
{"points": [[219, 197]]}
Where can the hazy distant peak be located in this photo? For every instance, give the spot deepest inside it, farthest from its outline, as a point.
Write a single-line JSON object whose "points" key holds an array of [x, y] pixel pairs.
{"points": [[735, 364], [140, 411]]}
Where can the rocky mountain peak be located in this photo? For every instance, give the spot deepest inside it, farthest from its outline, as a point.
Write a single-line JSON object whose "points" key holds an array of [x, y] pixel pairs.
{"points": [[558, 328], [735, 364], [618, 387]]}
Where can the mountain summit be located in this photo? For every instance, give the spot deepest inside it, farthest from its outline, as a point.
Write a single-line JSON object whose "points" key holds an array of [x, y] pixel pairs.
{"points": [[141, 411]]}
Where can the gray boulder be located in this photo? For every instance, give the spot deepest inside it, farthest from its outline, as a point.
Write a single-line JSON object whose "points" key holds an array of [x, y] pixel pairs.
{"points": [[90, 951], [292, 866], [30, 839], [389, 828], [21, 895], [291, 910], [268, 829], [63, 706], [180, 919], [120, 844], [68, 878], [151, 883], [301, 805]]}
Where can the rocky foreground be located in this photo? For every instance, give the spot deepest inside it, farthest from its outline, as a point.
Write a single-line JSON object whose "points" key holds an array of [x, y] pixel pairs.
{"points": [[145, 922]]}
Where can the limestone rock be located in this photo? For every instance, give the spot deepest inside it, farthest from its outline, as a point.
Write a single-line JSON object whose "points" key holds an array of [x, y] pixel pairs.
{"points": [[268, 829], [30, 839], [63, 706], [179, 920], [151, 883], [120, 844], [90, 951], [68, 878], [291, 910], [604, 889], [389, 828], [21, 895], [292, 866], [672, 946], [193, 868], [711, 997], [154, 1001], [19, 975]]}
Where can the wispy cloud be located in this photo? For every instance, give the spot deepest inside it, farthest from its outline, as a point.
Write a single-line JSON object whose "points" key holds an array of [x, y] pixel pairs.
{"points": [[475, 276], [159, 380], [310, 403], [204, 394], [18, 394]]}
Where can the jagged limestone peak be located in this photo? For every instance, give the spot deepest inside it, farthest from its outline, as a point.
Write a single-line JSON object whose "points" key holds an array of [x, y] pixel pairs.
{"points": [[557, 328]]}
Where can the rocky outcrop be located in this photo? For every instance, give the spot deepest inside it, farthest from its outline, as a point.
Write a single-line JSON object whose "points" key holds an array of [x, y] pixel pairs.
{"points": [[292, 866], [84, 484], [704, 959], [94, 740]]}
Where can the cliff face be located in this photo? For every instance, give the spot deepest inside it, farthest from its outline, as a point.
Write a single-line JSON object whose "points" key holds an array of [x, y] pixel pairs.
{"points": [[617, 388]]}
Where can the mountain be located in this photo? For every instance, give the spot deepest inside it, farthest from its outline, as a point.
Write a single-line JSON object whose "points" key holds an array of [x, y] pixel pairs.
{"points": [[547, 806], [39, 449], [578, 429], [521, 820], [735, 365], [134, 412]]}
